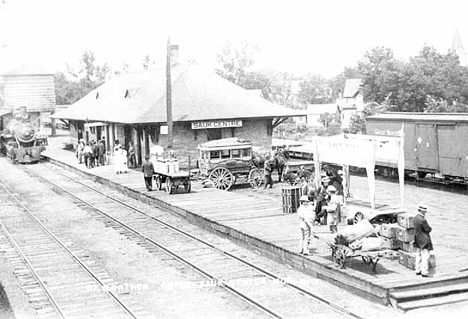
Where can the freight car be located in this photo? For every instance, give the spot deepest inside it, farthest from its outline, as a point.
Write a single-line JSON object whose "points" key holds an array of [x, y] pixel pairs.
{"points": [[435, 143], [19, 140]]}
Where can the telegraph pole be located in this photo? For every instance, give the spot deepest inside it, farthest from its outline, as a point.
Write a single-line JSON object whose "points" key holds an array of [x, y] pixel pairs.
{"points": [[170, 136]]}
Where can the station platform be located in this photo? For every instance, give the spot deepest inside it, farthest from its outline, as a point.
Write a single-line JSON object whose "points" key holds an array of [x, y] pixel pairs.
{"points": [[258, 222]]}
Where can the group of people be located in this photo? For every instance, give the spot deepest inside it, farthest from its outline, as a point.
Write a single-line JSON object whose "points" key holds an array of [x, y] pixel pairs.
{"points": [[314, 204], [123, 159], [91, 153]]}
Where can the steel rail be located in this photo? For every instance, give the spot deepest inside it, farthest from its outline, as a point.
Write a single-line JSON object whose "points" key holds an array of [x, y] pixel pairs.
{"points": [[33, 270], [74, 257], [211, 246]]}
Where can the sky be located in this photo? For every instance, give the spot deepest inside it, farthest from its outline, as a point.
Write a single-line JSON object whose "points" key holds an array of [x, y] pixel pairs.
{"points": [[297, 36]]}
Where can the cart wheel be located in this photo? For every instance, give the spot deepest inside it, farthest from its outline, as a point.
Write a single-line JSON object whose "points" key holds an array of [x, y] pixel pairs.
{"points": [[168, 185], [366, 260], [358, 217], [341, 258], [158, 183], [187, 186], [256, 177], [222, 178]]}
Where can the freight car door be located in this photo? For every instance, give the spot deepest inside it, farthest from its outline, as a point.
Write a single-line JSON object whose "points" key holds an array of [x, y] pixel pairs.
{"points": [[427, 149], [453, 150]]}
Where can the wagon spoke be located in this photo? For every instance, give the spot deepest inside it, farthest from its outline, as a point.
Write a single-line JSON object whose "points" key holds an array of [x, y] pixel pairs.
{"points": [[222, 178]]}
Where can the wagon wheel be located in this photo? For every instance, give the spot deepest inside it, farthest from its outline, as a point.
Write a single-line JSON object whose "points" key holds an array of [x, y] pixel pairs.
{"points": [[256, 178], [366, 259], [340, 258], [222, 178], [168, 185], [358, 217], [159, 183], [187, 186]]}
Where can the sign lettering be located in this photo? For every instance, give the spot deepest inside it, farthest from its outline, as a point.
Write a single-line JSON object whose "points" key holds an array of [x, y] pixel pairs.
{"points": [[216, 124]]}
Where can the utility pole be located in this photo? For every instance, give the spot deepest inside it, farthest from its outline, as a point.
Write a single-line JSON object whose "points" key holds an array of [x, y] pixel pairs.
{"points": [[170, 136]]}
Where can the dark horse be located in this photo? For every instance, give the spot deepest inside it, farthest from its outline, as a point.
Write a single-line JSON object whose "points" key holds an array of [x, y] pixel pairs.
{"points": [[278, 162]]}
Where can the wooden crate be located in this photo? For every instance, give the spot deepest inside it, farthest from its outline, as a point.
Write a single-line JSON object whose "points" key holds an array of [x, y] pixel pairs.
{"points": [[408, 247], [391, 243], [389, 230], [405, 234], [409, 260], [406, 220]]}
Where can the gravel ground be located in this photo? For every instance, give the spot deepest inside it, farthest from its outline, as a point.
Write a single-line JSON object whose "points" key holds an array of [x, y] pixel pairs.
{"points": [[128, 263]]}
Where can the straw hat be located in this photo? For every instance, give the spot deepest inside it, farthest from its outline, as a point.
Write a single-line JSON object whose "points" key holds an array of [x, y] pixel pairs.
{"points": [[304, 198], [422, 208], [340, 172], [326, 179], [331, 189]]}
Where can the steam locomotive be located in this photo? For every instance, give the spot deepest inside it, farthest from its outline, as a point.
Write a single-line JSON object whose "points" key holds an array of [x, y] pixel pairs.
{"points": [[19, 141]]}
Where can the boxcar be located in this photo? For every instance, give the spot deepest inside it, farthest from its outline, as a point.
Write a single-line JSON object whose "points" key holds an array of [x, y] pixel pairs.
{"points": [[435, 143]]}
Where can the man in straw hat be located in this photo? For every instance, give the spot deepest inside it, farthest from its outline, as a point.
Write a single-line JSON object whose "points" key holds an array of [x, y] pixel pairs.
{"points": [[333, 208], [422, 241], [306, 214]]}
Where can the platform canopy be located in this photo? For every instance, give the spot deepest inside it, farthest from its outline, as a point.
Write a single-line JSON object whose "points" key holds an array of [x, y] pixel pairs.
{"points": [[362, 151]]}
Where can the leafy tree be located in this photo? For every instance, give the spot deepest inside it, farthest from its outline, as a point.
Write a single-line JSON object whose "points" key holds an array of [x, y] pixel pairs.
{"points": [[73, 85], [279, 90], [235, 60], [146, 62], [380, 71], [315, 90]]}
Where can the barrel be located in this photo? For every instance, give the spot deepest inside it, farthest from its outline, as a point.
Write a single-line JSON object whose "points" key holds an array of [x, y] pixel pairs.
{"points": [[291, 196]]}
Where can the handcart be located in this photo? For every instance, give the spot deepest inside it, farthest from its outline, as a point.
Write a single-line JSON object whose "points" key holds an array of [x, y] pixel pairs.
{"points": [[172, 181], [340, 253]]}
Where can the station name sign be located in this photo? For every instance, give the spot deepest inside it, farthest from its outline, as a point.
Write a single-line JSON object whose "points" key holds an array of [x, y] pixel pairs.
{"points": [[216, 124]]}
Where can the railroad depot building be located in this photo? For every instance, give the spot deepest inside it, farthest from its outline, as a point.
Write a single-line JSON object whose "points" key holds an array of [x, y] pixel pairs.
{"points": [[132, 107]]}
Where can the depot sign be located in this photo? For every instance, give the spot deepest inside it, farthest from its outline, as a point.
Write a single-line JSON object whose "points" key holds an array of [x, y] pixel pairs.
{"points": [[216, 124]]}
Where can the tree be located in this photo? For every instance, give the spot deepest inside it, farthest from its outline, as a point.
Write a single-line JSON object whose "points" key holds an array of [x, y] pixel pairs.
{"points": [[146, 62], [315, 90], [279, 90], [73, 85], [379, 70], [234, 60]]}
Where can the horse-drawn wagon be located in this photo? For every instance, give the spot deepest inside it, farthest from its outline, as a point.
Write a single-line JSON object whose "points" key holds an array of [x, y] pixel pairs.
{"points": [[223, 161]]}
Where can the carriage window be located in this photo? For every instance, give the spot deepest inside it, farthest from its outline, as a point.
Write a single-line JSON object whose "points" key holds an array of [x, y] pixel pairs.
{"points": [[225, 154], [214, 154], [236, 153], [245, 152]]}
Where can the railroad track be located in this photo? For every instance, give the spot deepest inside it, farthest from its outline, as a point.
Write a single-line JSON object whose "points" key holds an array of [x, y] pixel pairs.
{"points": [[59, 280], [268, 292]]}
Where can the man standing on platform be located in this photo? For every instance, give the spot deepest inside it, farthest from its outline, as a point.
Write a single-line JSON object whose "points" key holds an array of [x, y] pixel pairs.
{"points": [[306, 214], [422, 241], [268, 169], [148, 170]]}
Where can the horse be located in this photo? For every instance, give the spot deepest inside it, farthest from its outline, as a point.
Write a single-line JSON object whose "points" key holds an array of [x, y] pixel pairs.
{"points": [[278, 161]]}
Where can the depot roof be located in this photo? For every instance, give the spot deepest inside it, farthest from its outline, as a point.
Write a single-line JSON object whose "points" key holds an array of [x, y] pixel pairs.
{"points": [[197, 94]]}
